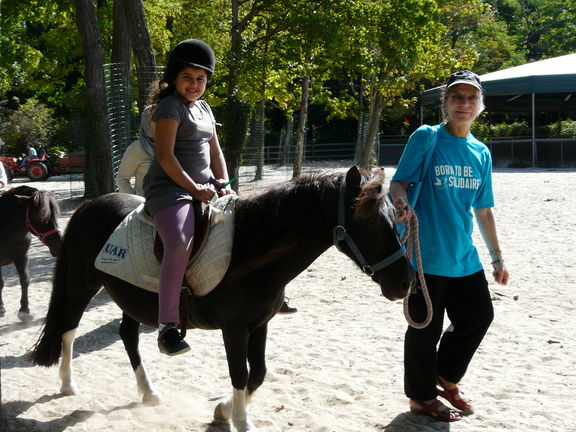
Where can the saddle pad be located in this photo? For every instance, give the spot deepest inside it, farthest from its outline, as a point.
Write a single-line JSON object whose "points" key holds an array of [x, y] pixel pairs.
{"points": [[129, 252], [210, 264]]}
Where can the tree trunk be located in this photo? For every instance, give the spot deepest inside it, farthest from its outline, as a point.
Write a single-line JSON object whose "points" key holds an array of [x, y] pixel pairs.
{"points": [[119, 91], [376, 107], [142, 46], [360, 129], [260, 132], [236, 113], [301, 128], [287, 138], [98, 174], [234, 131], [121, 48]]}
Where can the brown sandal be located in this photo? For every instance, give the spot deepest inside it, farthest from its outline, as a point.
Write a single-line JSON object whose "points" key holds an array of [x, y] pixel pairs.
{"points": [[456, 399], [434, 410]]}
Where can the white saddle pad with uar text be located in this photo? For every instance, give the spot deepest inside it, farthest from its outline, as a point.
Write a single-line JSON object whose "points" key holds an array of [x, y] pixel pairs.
{"points": [[129, 252]]}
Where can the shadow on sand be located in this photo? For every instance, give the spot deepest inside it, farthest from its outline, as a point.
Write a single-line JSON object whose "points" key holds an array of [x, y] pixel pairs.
{"points": [[10, 422], [410, 422]]}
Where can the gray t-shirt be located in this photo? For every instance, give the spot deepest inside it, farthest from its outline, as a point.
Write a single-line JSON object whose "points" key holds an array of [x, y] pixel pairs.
{"points": [[192, 149]]}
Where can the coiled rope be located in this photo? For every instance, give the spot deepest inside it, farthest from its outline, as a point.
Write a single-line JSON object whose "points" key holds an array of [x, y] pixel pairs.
{"points": [[411, 237]]}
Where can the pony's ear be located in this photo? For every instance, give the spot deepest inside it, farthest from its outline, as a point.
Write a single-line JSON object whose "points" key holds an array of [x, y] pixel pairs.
{"points": [[381, 172], [353, 177], [22, 199]]}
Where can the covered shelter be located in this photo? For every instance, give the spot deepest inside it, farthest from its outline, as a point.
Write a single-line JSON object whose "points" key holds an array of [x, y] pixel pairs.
{"points": [[544, 86]]}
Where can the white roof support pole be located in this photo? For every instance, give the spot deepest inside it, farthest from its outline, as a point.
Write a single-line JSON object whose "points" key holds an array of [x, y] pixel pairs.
{"points": [[534, 155]]}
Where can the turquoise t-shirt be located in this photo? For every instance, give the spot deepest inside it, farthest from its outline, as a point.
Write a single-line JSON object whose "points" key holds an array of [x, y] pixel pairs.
{"points": [[458, 178]]}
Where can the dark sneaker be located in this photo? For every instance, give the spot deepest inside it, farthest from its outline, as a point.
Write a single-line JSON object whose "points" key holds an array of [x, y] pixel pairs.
{"points": [[171, 343], [285, 309]]}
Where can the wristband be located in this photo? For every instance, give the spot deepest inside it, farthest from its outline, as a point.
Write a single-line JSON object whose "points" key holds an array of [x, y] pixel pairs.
{"points": [[496, 261]]}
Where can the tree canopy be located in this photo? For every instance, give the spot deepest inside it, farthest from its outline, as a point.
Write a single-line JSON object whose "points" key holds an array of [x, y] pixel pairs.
{"points": [[358, 56]]}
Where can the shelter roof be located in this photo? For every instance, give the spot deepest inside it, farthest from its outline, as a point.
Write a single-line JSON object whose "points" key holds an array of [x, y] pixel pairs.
{"points": [[554, 75]]}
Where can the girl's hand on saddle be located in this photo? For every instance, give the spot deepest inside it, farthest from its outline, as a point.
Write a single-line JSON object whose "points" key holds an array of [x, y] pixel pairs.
{"points": [[203, 194], [500, 273], [403, 210], [223, 187], [226, 191]]}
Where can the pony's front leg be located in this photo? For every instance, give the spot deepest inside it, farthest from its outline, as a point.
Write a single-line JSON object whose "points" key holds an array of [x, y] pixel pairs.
{"points": [[68, 387], [2, 309], [256, 359], [21, 265], [236, 343]]}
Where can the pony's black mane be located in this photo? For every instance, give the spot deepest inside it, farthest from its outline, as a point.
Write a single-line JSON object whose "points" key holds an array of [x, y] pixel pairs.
{"points": [[308, 188], [305, 189], [299, 202]]}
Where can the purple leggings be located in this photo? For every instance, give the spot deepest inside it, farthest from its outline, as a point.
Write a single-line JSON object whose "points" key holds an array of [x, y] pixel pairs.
{"points": [[175, 225]]}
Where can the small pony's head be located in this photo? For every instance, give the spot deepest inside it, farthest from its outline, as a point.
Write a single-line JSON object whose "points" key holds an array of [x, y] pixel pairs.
{"points": [[41, 215], [370, 223]]}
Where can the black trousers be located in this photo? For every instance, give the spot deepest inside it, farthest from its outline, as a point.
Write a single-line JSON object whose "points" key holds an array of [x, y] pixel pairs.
{"points": [[468, 305]]}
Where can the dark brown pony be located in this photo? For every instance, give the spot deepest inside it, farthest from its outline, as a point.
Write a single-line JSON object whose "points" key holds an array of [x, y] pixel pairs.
{"points": [[24, 211], [278, 234]]}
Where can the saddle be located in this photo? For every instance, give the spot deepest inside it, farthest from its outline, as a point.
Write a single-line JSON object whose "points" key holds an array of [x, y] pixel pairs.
{"points": [[134, 250]]}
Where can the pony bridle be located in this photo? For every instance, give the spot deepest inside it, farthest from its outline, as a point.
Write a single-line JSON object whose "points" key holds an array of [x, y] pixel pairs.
{"points": [[340, 234], [41, 236]]}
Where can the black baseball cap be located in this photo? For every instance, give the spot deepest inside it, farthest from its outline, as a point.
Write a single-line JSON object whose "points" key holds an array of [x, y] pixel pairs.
{"points": [[464, 77]]}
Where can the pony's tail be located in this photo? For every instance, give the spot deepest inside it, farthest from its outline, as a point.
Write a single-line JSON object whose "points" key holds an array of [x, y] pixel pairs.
{"points": [[46, 350]]}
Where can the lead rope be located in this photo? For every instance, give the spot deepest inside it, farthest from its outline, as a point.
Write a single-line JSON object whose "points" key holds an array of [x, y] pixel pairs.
{"points": [[411, 236]]}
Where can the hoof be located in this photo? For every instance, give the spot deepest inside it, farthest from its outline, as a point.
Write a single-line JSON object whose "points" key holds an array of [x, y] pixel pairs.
{"points": [[68, 390], [25, 316], [222, 413], [152, 399]]}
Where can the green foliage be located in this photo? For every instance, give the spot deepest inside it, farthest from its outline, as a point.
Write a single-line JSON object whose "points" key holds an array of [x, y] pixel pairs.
{"points": [[41, 50], [33, 122], [495, 47], [568, 128], [55, 152], [542, 28], [387, 49], [482, 130], [516, 129]]}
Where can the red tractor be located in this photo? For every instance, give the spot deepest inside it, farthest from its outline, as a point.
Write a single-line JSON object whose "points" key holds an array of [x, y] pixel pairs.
{"points": [[37, 169], [40, 168]]}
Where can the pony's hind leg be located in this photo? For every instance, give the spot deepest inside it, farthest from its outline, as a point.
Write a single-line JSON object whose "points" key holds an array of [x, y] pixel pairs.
{"points": [[68, 386], [130, 337]]}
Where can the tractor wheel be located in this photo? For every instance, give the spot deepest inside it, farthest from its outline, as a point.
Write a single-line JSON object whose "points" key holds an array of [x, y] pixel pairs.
{"points": [[37, 171]]}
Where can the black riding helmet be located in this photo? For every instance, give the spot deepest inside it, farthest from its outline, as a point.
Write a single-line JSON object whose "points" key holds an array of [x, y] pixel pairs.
{"points": [[195, 53]]}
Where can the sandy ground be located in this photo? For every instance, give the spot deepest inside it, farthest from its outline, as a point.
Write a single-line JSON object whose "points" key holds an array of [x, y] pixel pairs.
{"points": [[335, 365]]}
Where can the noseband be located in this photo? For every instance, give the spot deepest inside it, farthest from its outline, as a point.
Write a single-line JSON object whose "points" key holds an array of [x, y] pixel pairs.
{"points": [[41, 236], [340, 234]]}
